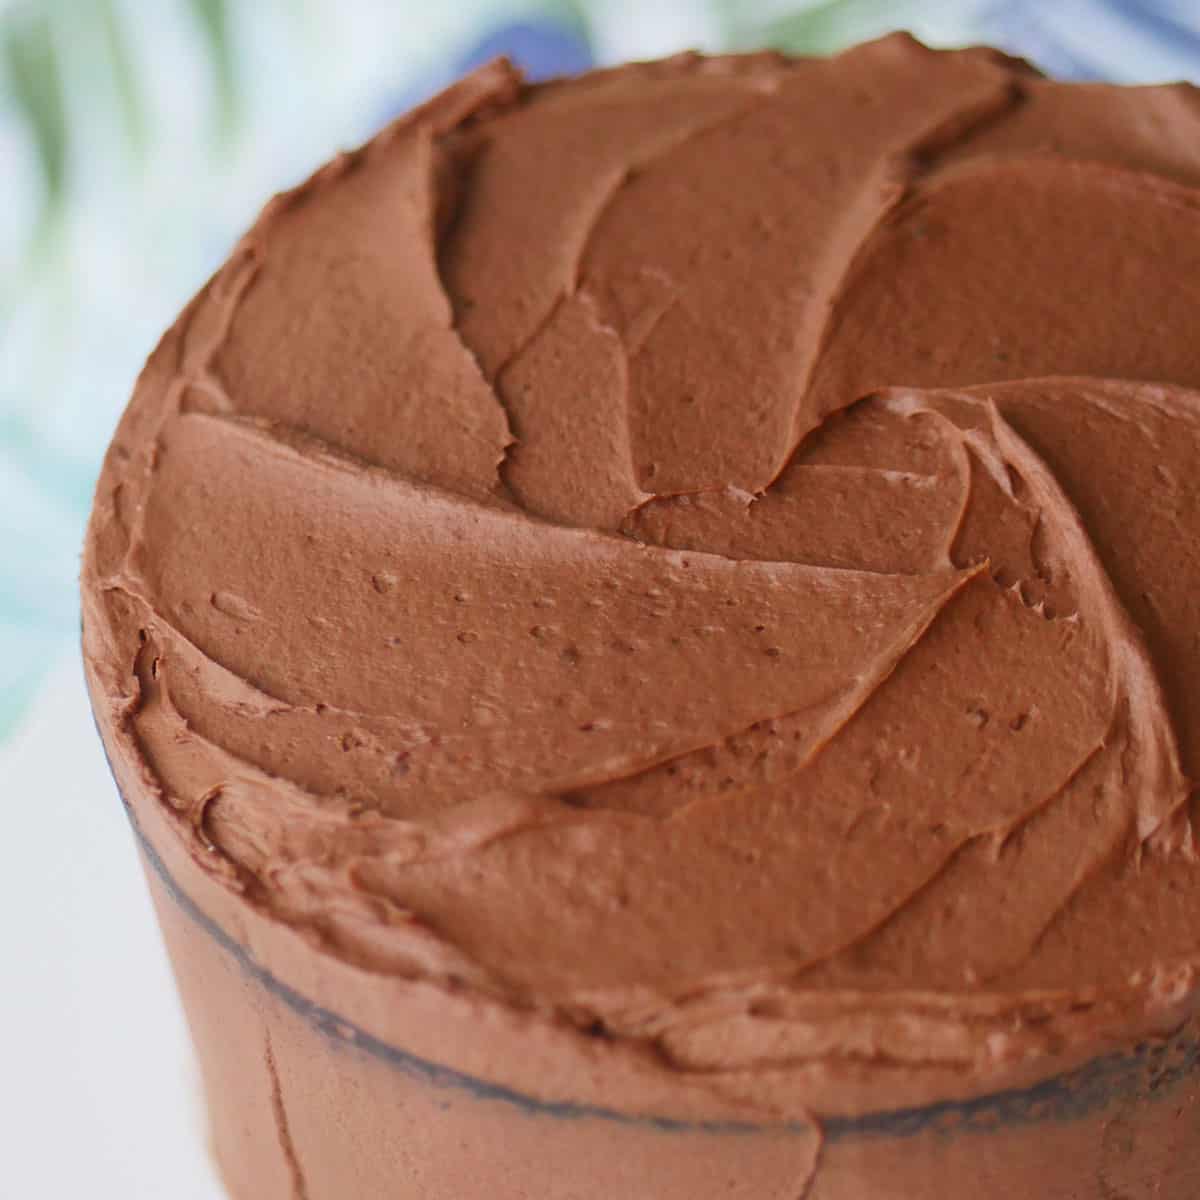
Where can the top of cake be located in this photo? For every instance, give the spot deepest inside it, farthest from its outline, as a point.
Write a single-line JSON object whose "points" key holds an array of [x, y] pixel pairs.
{"points": [[704, 553]]}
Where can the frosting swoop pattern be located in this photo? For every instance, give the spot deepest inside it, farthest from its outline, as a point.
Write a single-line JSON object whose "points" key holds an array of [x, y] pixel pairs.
{"points": [[702, 552]]}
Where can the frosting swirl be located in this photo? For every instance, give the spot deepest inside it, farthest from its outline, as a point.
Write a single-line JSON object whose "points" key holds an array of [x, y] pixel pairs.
{"points": [[702, 553]]}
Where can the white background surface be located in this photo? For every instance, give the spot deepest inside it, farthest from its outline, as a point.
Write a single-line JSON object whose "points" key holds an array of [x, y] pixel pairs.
{"points": [[99, 1096]]}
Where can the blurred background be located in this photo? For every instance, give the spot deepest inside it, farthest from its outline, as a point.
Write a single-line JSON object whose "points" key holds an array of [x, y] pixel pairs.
{"points": [[137, 139]]}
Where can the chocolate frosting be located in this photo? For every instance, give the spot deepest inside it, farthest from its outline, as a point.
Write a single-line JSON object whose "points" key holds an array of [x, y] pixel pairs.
{"points": [[703, 554]]}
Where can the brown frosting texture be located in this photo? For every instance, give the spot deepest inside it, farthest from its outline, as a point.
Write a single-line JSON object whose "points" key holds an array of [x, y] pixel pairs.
{"points": [[705, 553]]}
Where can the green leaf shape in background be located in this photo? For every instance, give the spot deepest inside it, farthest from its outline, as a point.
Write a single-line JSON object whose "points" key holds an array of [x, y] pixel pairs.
{"points": [[31, 65], [821, 28], [571, 13], [124, 73], [213, 18]]}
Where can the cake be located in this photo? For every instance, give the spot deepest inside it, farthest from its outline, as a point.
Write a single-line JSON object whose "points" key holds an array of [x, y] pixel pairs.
{"points": [[647, 628]]}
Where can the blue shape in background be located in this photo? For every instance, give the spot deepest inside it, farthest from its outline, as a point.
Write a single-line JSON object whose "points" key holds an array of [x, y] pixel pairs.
{"points": [[543, 49], [1149, 17], [1018, 28]]}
